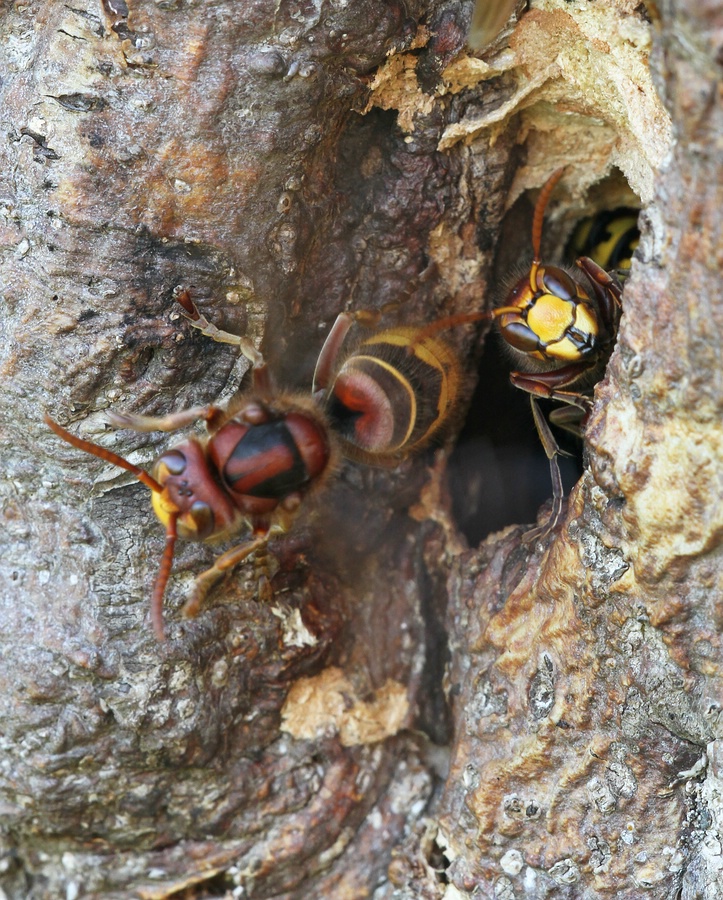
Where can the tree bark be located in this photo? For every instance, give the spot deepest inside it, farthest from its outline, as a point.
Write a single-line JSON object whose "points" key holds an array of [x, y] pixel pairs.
{"points": [[407, 717]]}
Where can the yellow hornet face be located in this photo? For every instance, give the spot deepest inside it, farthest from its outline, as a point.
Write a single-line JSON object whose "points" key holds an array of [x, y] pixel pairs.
{"points": [[191, 493], [550, 318]]}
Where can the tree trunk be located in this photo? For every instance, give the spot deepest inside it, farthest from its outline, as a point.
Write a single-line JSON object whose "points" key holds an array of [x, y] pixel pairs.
{"points": [[407, 717]]}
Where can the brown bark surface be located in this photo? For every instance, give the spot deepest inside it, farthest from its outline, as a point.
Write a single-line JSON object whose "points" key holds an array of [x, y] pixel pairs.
{"points": [[407, 718]]}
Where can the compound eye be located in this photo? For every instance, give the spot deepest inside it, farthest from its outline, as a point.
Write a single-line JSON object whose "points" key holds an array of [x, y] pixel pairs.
{"points": [[174, 461], [558, 283], [520, 336], [201, 515]]}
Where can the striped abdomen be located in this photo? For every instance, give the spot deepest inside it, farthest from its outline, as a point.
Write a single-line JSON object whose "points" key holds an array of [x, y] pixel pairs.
{"points": [[393, 394]]}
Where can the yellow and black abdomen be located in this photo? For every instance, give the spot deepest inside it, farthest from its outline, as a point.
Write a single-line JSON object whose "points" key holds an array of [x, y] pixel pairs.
{"points": [[608, 238], [393, 394]]}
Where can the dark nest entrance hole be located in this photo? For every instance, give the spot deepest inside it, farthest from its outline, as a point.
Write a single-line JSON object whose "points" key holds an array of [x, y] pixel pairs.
{"points": [[498, 472]]}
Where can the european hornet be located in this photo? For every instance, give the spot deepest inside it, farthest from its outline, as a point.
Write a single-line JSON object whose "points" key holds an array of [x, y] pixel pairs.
{"points": [[268, 450], [560, 328]]}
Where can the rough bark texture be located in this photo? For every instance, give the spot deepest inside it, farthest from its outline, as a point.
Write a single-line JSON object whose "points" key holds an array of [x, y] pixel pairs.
{"points": [[284, 162]]}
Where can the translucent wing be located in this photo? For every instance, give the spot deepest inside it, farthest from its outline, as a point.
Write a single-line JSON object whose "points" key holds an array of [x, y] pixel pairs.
{"points": [[488, 19]]}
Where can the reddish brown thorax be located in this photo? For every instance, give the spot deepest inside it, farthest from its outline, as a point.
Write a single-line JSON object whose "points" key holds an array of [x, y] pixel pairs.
{"points": [[246, 469], [260, 464]]}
